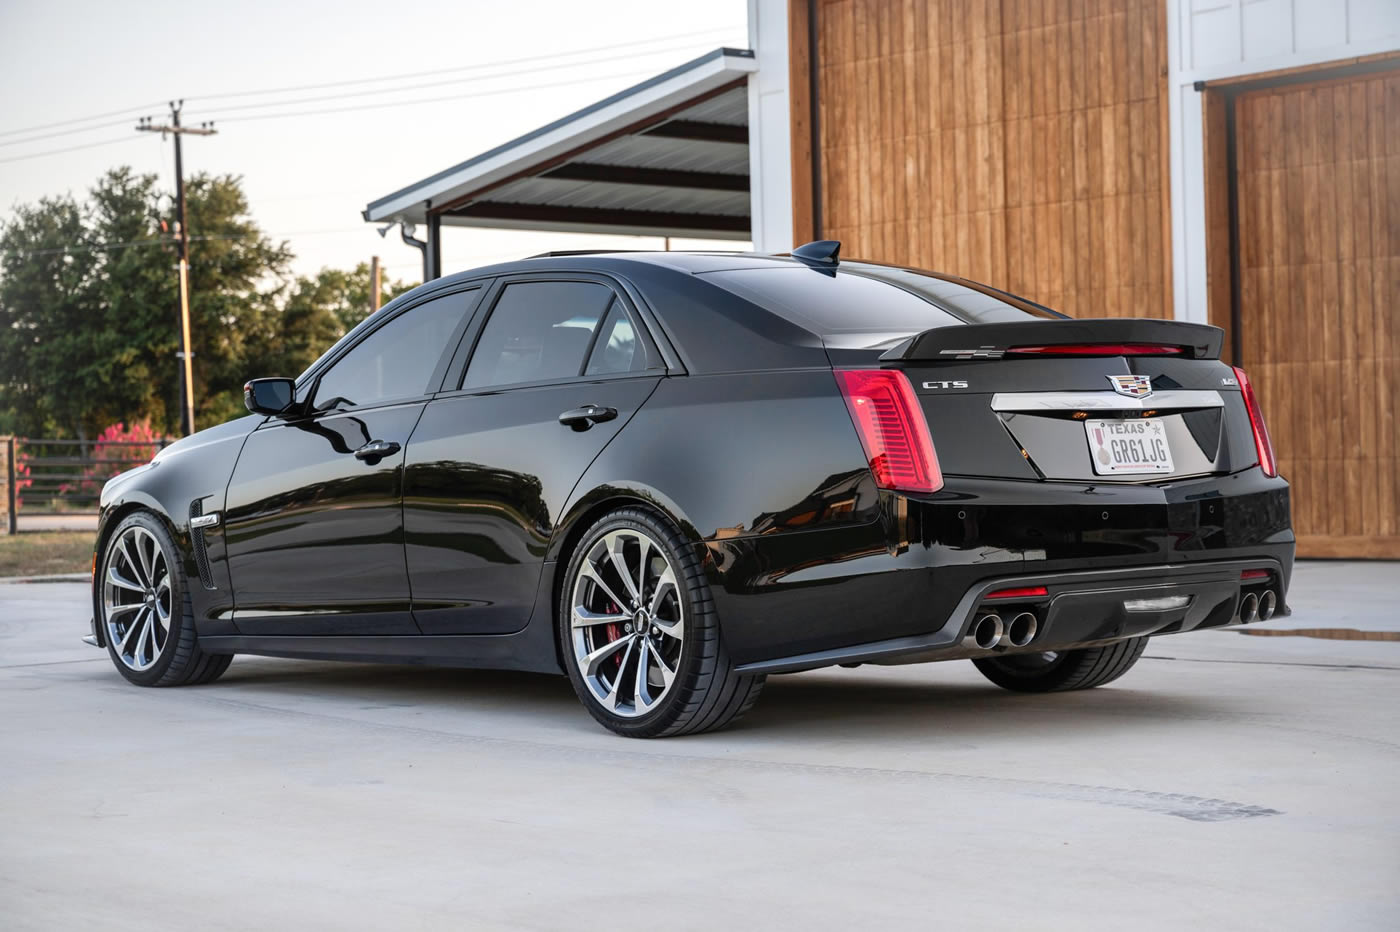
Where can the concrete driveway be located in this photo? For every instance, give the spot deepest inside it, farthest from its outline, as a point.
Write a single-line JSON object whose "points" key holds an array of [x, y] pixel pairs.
{"points": [[1227, 782]]}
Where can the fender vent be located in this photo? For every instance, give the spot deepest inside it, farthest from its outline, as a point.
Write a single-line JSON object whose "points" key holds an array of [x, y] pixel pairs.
{"points": [[201, 550]]}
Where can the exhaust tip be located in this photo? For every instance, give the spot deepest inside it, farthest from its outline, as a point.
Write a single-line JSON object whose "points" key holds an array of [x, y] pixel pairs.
{"points": [[1020, 631], [1249, 608], [1268, 602], [986, 632]]}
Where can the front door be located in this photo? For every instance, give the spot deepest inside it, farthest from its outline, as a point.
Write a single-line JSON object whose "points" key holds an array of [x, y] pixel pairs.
{"points": [[491, 465], [313, 520]]}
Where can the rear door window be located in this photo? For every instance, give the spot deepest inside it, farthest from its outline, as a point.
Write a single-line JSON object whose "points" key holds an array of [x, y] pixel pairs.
{"points": [[542, 331]]}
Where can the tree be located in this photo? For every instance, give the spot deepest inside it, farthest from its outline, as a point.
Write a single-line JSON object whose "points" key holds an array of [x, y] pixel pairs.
{"points": [[89, 320]]}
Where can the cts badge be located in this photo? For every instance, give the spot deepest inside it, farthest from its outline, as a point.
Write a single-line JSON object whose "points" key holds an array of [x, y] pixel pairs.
{"points": [[933, 385], [1134, 386]]}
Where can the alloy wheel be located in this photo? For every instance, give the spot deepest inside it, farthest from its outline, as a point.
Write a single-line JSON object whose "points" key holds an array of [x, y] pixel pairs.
{"points": [[627, 622], [136, 598]]}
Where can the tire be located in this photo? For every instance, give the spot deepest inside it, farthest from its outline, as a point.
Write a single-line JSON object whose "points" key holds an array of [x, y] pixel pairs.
{"points": [[703, 693], [1060, 671], [133, 614]]}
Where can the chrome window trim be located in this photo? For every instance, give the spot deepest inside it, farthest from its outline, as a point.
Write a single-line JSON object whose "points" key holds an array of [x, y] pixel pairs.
{"points": [[1105, 401]]}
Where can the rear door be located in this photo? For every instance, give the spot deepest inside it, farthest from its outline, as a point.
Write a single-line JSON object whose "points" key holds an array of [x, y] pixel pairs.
{"points": [[313, 520], [557, 368]]}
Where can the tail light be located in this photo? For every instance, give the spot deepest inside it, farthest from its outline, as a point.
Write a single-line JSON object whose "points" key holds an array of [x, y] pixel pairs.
{"points": [[1098, 349], [892, 429], [1262, 444]]}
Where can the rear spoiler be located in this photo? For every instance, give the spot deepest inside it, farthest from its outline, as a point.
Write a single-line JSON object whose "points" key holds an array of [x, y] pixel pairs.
{"points": [[992, 341]]}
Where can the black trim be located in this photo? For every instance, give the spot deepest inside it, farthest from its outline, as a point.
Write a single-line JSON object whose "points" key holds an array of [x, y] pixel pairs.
{"points": [[658, 177], [605, 216], [700, 131], [201, 549]]}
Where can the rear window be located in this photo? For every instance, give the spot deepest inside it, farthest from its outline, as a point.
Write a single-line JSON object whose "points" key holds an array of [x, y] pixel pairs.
{"points": [[864, 305]]}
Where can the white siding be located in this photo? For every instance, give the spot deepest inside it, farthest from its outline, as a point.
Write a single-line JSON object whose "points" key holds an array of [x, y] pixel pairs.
{"points": [[1213, 39], [770, 143]]}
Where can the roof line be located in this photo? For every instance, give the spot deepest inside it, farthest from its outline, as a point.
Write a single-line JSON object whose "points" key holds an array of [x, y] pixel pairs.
{"points": [[562, 121]]}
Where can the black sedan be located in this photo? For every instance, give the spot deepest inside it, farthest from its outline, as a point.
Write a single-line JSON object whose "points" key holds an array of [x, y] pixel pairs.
{"points": [[668, 475]]}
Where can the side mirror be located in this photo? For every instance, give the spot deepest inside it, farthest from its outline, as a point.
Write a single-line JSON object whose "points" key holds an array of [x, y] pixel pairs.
{"points": [[269, 396]]}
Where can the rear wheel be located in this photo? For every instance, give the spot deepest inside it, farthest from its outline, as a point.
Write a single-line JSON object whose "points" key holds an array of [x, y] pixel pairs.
{"points": [[1058, 671], [143, 605], [640, 636]]}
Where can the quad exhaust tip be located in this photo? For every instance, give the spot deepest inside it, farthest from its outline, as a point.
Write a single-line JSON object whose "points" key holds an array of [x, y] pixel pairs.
{"points": [[1268, 602], [986, 632], [1249, 608], [1020, 631]]}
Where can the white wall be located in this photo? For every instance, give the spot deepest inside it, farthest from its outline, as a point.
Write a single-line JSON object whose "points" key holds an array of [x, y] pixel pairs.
{"points": [[1212, 39], [770, 145]]}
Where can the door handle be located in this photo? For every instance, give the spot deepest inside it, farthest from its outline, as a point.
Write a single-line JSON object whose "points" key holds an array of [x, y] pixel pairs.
{"points": [[376, 450], [586, 416]]}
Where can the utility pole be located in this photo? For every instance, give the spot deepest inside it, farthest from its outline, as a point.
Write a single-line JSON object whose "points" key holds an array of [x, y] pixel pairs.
{"points": [[182, 245], [374, 284]]}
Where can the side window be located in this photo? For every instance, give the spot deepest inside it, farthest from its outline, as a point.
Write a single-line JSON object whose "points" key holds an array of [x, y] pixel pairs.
{"points": [[398, 359], [538, 331], [617, 348]]}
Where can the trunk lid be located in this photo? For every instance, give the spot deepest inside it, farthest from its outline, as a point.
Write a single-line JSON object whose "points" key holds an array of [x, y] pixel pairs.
{"points": [[1120, 400]]}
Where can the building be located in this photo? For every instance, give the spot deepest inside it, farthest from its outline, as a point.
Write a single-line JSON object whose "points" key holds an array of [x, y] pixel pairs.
{"points": [[1228, 161]]}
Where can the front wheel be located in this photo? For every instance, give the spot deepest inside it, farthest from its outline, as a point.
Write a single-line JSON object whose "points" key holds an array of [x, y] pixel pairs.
{"points": [[142, 603], [1058, 671], [640, 636]]}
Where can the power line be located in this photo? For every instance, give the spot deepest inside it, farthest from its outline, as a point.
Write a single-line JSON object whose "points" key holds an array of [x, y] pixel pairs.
{"points": [[415, 87], [65, 132], [429, 100], [132, 111], [95, 116], [90, 145], [437, 71]]}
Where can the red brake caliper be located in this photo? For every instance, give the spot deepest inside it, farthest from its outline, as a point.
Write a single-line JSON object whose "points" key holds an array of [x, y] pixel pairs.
{"points": [[614, 631]]}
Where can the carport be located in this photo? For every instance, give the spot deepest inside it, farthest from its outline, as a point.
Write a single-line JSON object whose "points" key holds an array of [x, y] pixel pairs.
{"points": [[666, 157]]}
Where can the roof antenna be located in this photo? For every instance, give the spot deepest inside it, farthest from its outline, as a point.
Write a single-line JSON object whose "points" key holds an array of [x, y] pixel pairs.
{"points": [[825, 251]]}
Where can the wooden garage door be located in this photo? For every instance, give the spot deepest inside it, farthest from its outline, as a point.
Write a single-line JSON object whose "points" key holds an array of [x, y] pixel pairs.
{"points": [[1319, 229]]}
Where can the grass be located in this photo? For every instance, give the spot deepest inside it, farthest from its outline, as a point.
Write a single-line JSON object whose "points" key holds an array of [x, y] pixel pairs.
{"points": [[45, 553]]}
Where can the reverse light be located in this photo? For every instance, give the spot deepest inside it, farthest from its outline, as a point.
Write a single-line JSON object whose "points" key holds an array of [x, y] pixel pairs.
{"points": [[1024, 592], [892, 429], [1098, 349], [1262, 445]]}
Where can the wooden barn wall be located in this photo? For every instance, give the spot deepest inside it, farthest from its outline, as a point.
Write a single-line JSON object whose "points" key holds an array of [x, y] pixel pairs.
{"points": [[1318, 169], [1015, 142]]}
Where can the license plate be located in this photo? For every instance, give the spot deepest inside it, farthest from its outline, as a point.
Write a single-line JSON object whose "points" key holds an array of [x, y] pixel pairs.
{"points": [[1129, 446]]}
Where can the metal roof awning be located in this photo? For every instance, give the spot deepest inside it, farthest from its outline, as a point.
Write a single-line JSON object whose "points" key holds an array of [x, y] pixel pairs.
{"points": [[667, 157]]}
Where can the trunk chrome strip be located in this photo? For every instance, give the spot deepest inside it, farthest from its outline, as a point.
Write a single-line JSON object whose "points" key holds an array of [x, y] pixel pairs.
{"points": [[1170, 399]]}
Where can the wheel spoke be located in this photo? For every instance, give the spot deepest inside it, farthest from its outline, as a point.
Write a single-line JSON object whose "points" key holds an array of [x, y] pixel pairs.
{"points": [[619, 563], [147, 557], [641, 696], [129, 548], [583, 618], [675, 629], [668, 674], [610, 700], [129, 607], [117, 579], [137, 623], [643, 558], [590, 571], [592, 661], [148, 636], [665, 583]]}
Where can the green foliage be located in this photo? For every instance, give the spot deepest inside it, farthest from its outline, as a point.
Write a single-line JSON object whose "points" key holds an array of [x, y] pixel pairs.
{"points": [[89, 314]]}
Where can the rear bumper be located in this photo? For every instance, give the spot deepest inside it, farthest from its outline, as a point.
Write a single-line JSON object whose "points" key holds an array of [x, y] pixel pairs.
{"points": [[1079, 609], [903, 581]]}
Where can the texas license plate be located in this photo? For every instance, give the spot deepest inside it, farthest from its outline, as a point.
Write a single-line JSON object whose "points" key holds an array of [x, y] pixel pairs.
{"points": [[1129, 446]]}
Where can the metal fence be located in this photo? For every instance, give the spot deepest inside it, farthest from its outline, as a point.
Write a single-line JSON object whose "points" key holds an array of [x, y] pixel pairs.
{"points": [[65, 477]]}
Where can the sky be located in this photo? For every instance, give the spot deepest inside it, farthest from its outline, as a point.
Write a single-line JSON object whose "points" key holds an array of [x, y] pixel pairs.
{"points": [[517, 65]]}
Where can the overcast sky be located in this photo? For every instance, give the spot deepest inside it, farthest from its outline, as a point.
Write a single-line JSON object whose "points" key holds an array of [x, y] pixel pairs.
{"points": [[309, 176]]}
